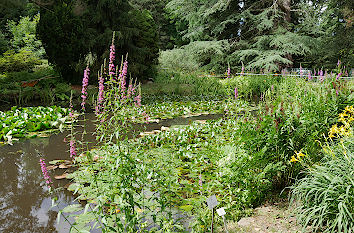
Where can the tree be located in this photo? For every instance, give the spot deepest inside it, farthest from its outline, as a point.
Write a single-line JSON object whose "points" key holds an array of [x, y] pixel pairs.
{"points": [[73, 31], [168, 28]]}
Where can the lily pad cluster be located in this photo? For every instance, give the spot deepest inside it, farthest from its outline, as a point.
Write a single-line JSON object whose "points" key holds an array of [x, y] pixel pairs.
{"points": [[31, 122]]}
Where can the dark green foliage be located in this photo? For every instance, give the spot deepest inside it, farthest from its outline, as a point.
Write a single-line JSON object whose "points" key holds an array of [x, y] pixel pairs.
{"points": [[272, 35], [168, 27], [62, 34], [3, 43], [77, 32]]}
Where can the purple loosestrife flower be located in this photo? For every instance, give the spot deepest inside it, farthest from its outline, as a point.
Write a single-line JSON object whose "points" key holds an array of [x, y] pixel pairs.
{"points": [[111, 67], [122, 76], [337, 92], [146, 117], [100, 94], [72, 148], [71, 111], [338, 76], [242, 69], [338, 63], [228, 72], [130, 90], [236, 93], [85, 81], [137, 100], [309, 77], [283, 72], [301, 73], [320, 73], [46, 176]]}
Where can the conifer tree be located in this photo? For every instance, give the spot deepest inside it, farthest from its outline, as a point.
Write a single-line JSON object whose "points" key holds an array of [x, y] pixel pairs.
{"points": [[74, 32]]}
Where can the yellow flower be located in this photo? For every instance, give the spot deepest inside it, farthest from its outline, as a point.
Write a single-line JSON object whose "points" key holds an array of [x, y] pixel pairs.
{"points": [[293, 159], [300, 154], [349, 109], [333, 131]]}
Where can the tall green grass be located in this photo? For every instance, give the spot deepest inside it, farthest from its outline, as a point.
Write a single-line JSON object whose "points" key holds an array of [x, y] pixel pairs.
{"points": [[325, 197]]}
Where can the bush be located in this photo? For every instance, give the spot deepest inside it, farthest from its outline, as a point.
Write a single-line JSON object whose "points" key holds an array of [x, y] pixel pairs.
{"points": [[14, 62], [325, 197], [188, 84]]}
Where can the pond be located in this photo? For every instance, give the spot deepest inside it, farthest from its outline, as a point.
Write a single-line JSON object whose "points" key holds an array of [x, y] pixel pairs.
{"points": [[25, 204]]}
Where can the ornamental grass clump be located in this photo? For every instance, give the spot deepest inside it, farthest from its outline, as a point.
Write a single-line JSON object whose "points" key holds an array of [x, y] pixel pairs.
{"points": [[325, 197]]}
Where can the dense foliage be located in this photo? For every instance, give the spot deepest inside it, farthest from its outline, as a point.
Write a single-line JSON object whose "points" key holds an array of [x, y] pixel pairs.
{"points": [[75, 33], [241, 158]]}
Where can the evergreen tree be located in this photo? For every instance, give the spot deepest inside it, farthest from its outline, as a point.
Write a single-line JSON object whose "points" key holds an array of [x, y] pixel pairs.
{"points": [[73, 31]]}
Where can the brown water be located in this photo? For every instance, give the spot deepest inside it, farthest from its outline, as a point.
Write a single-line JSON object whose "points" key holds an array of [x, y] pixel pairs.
{"points": [[25, 204]]}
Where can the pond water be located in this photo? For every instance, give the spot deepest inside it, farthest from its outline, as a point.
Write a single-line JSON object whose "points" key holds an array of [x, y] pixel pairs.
{"points": [[25, 204]]}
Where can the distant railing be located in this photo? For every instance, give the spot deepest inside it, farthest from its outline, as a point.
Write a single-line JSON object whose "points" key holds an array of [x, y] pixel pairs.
{"points": [[253, 74]]}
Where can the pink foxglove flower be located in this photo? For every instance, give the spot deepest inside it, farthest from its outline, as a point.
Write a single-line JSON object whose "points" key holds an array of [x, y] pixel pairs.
{"points": [[46, 176], [85, 81]]}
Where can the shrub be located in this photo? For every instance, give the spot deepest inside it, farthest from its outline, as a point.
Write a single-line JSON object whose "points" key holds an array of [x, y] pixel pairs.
{"points": [[14, 62]]}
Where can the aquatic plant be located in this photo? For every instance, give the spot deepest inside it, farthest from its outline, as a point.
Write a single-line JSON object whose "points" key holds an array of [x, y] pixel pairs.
{"points": [[31, 121]]}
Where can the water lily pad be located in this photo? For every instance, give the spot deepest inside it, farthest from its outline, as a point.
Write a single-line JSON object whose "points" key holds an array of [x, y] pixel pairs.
{"points": [[51, 167], [54, 162], [64, 166]]}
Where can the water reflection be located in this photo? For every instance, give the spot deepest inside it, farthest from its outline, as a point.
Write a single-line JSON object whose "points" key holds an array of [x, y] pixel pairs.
{"points": [[24, 199]]}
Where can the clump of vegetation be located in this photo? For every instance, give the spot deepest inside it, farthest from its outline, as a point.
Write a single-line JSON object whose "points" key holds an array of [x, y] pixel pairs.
{"points": [[242, 158], [324, 198]]}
